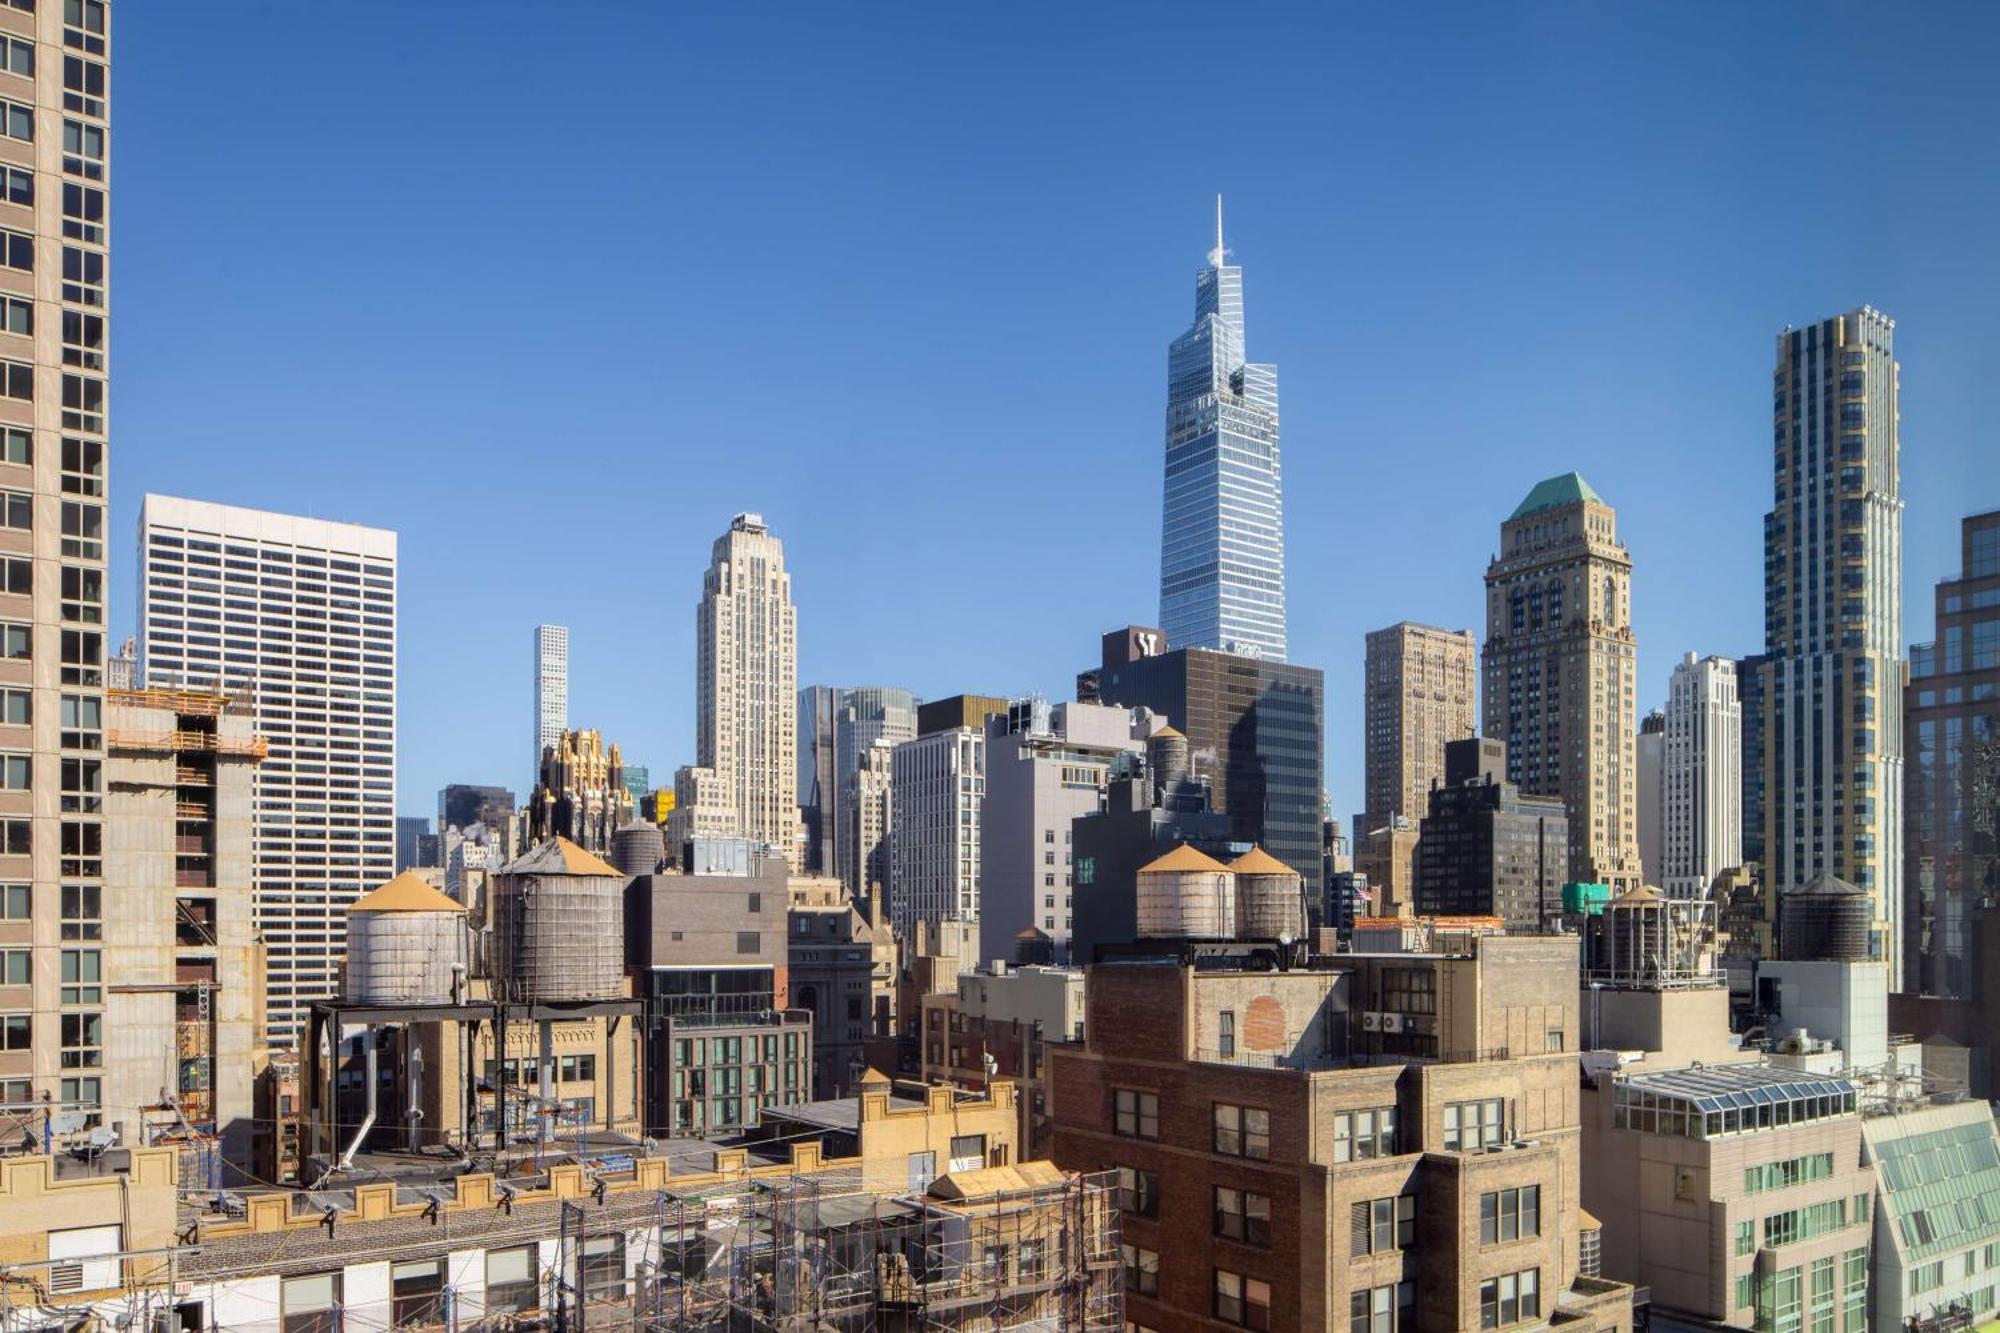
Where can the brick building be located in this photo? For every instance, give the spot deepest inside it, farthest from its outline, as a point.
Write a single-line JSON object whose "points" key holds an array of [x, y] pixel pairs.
{"points": [[1383, 1142]]}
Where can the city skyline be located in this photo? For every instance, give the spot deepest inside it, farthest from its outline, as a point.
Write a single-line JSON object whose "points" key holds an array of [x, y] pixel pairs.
{"points": [[1355, 302]]}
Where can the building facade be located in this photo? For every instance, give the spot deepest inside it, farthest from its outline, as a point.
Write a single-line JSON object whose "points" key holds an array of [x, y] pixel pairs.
{"points": [[1222, 529], [174, 1054], [1649, 752], [837, 726], [1701, 780], [869, 809], [581, 793], [1952, 728], [843, 972], [1833, 616], [551, 690], [1256, 732], [1045, 767], [1560, 662], [937, 790], [311, 634], [1485, 849], [53, 466], [1937, 1234], [1421, 687], [746, 694], [1289, 1163]]}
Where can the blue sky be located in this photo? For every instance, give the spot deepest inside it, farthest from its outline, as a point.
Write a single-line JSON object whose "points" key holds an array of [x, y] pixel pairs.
{"points": [[555, 298]]}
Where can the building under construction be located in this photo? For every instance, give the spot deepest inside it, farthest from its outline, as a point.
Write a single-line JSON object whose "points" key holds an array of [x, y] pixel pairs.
{"points": [[771, 1235]]}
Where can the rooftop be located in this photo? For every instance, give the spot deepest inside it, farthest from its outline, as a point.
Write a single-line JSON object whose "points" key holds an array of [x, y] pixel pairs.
{"points": [[559, 856], [1568, 489], [1720, 1087], [1184, 857]]}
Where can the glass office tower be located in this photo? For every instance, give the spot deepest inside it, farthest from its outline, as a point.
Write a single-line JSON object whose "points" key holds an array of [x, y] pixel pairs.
{"points": [[1222, 539]]}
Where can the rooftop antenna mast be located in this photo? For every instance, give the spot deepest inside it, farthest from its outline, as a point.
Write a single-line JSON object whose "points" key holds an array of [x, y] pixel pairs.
{"points": [[1215, 255]]}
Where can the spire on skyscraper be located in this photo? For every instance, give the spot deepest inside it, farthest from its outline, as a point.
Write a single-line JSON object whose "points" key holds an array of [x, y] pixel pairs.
{"points": [[1218, 254]]}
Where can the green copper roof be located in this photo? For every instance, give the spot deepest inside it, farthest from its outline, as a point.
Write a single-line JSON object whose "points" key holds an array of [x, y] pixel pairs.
{"points": [[1568, 489]]}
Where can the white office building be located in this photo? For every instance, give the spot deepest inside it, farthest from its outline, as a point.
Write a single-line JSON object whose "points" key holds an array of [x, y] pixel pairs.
{"points": [[937, 785], [302, 613], [1701, 778], [551, 693], [1045, 766]]}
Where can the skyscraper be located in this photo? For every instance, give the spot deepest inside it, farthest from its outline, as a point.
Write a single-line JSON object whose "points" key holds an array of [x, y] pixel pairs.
{"points": [[1559, 661], [746, 695], [1953, 731], [1222, 538], [937, 787], [1833, 617], [1421, 688], [837, 725], [1701, 780], [53, 389], [311, 634], [551, 691]]}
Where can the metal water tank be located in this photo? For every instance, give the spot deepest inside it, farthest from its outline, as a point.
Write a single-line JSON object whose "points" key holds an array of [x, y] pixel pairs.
{"points": [[1827, 920], [637, 848], [1270, 898], [1186, 894], [1638, 934], [405, 945], [559, 925], [1167, 757]]}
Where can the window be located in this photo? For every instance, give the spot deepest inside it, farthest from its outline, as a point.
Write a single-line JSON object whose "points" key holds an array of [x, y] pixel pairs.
{"points": [[1142, 1270], [1138, 1192], [16, 642], [83, 86], [16, 1032], [511, 1285], [1226, 1026], [1360, 1136], [1409, 990], [1510, 1214], [603, 1264], [83, 212], [968, 1152], [17, 56], [82, 912], [83, 276], [1243, 1131], [417, 1292], [17, 772], [1135, 1115], [1792, 1171], [16, 837], [1383, 1309], [17, 445], [311, 1304], [1243, 1301], [82, 1041], [83, 339], [83, 150], [1470, 1126], [17, 250], [17, 119], [17, 967], [1746, 1238], [17, 380], [1378, 1225], [82, 971], [1241, 1215], [17, 186], [16, 902], [17, 315], [1510, 1298], [922, 1171]]}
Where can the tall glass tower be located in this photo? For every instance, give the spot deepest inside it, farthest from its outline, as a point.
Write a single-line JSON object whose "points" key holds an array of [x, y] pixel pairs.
{"points": [[1222, 533]]}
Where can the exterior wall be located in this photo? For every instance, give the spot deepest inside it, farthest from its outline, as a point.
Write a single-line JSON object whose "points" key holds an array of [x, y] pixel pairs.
{"points": [[938, 786], [746, 688], [1388, 857], [1421, 687], [1952, 1154], [326, 793], [843, 972], [176, 918], [1486, 850], [1559, 663], [1833, 616], [870, 810], [1847, 1003], [36, 1199], [1702, 778], [1650, 752], [1039, 779], [1672, 1028]]}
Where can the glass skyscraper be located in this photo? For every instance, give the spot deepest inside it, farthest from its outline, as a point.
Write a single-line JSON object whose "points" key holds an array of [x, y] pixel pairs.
{"points": [[1222, 537]]}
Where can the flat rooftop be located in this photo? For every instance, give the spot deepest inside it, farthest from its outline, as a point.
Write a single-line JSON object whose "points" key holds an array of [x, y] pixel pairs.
{"points": [[1721, 1087]]}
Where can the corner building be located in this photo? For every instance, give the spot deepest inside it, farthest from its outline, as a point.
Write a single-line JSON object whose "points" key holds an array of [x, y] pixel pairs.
{"points": [[1560, 662], [1377, 1142]]}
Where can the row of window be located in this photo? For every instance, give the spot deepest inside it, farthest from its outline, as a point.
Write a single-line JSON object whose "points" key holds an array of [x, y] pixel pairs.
{"points": [[1245, 1131]]}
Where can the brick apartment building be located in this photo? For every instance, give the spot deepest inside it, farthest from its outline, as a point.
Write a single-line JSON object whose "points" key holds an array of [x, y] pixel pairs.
{"points": [[1374, 1142]]}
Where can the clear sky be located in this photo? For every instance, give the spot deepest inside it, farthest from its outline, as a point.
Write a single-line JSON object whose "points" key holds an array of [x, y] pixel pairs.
{"points": [[554, 291]]}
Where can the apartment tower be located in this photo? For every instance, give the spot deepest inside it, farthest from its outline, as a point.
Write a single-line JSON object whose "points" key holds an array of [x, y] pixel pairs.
{"points": [[53, 389], [551, 691], [1833, 618], [1222, 538], [1560, 661], [1421, 687], [1701, 777], [746, 695], [310, 633]]}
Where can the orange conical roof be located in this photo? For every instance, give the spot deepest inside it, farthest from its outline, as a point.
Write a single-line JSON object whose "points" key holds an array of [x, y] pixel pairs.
{"points": [[1185, 857], [1257, 861], [408, 892]]}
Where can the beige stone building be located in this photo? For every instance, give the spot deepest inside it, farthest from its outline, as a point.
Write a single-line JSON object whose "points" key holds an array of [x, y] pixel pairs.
{"points": [[1560, 662], [1388, 856], [746, 697], [53, 465], [1422, 686], [182, 1037]]}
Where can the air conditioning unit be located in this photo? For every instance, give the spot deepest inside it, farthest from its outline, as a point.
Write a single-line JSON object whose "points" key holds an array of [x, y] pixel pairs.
{"points": [[1392, 1022], [1371, 1021]]}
